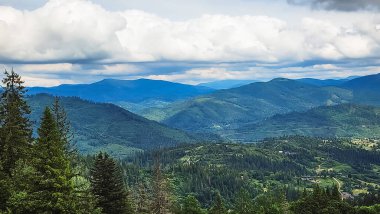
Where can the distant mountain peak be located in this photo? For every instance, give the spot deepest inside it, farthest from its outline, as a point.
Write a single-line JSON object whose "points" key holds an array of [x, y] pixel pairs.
{"points": [[135, 91]]}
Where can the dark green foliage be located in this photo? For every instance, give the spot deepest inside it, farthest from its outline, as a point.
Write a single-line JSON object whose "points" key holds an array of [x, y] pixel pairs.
{"points": [[346, 120], [15, 131], [218, 206], [43, 184], [106, 127], [64, 127], [191, 206], [244, 203], [320, 202], [142, 200], [160, 202], [108, 186]]}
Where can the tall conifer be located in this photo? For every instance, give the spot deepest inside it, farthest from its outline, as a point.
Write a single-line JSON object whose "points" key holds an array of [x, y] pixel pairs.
{"points": [[108, 186], [47, 187], [15, 130]]}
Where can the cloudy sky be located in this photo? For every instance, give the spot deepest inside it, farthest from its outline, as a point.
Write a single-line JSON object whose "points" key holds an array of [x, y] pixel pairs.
{"points": [[190, 41]]}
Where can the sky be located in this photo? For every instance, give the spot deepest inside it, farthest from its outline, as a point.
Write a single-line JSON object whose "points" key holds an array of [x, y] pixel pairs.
{"points": [[52, 42]]}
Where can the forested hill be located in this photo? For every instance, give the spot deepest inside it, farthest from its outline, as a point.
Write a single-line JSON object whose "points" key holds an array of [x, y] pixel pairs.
{"points": [[290, 164], [232, 108], [345, 120], [108, 127]]}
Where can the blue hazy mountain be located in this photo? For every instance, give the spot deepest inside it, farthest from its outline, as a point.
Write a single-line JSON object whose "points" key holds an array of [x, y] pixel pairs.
{"points": [[366, 89], [326, 82], [226, 84], [133, 91]]}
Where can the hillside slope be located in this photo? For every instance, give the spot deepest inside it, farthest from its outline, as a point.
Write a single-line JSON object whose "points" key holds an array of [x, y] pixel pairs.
{"points": [[108, 127], [229, 109], [346, 120], [366, 90]]}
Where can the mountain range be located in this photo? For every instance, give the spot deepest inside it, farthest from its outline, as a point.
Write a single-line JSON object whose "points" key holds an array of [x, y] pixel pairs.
{"points": [[102, 126], [231, 108], [312, 107], [133, 95], [234, 108]]}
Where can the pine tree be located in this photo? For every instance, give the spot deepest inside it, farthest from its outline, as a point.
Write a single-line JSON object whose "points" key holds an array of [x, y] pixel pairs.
{"points": [[82, 195], [64, 126], [142, 201], [108, 186], [192, 206], [244, 203], [47, 186], [15, 130], [218, 206], [160, 203]]}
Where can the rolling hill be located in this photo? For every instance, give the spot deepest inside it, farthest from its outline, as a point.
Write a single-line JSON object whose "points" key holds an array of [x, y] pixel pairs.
{"points": [[232, 108], [294, 161], [108, 127], [345, 120]]}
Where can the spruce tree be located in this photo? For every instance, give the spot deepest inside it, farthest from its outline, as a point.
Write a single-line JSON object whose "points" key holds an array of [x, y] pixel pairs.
{"points": [[48, 189], [108, 186], [142, 200], [244, 203], [192, 206], [218, 207], [15, 130], [64, 127], [160, 203]]}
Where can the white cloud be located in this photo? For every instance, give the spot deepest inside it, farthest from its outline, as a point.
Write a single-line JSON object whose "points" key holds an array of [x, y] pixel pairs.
{"points": [[63, 35], [116, 69], [70, 30], [47, 67], [59, 31], [32, 81]]}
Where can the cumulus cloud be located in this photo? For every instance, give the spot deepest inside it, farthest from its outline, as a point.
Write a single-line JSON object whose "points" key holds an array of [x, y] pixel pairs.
{"points": [[342, 5], [78, 37], [69, 30], [80, 31]]}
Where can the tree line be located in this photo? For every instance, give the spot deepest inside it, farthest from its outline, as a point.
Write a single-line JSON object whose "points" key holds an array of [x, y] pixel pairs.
{"points": [[42, 173]]}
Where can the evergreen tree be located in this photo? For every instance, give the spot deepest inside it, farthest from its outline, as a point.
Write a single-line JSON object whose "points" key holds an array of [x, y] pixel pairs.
{"points": [[64, 126], [15, 130], [48, 188], [160, 194], [218, 206], [192, 206], [142, 200], [244, 203], [108, 186], [84, 200]]}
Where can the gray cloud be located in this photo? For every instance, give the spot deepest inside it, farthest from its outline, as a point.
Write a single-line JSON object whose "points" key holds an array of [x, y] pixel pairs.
{"points": [[340, 5]]}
